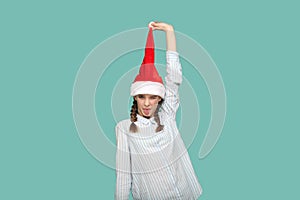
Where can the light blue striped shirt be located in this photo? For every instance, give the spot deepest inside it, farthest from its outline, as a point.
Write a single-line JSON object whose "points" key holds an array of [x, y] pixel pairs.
{"points": [[156, 166]]}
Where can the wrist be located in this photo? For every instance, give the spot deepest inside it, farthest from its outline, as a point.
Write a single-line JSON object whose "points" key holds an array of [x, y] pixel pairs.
{"points": [[169, 28]]}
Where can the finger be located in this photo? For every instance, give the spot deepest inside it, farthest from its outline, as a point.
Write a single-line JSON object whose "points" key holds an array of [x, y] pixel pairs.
{"points": [[155, 24]]}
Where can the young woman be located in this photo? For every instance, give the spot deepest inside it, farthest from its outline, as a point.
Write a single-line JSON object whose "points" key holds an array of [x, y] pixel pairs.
{"points": [[151, 158]]}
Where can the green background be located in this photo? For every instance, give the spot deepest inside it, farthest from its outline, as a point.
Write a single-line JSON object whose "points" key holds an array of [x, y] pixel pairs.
{"points": [[255, 45]]}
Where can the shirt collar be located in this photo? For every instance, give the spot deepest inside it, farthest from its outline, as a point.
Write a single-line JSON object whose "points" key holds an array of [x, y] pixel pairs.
{"points": [[144, 120]]}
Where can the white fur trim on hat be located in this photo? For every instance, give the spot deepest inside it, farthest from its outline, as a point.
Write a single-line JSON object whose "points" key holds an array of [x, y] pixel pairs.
{"points": [[147, 87]]}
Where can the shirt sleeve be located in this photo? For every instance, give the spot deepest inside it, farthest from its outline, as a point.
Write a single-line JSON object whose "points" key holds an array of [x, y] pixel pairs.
{"points": [[123, 166], [172, 81]]}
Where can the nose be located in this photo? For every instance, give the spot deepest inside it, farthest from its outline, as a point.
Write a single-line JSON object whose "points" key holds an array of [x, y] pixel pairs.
{"points": [[146, 103]]}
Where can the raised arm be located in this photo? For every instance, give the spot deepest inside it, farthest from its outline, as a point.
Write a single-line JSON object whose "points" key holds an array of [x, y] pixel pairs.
{"points": [[123, 166], [174, 72]]}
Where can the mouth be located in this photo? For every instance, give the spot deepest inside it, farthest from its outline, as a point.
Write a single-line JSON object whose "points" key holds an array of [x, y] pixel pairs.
{"points": [[146, 111]]}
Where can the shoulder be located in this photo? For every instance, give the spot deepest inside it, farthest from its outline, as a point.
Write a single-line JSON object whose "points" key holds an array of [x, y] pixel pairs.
{"points": [[123, 125]]}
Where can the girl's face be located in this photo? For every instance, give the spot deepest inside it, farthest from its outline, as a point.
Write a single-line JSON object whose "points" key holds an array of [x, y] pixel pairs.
{"points": [[147, 104]]}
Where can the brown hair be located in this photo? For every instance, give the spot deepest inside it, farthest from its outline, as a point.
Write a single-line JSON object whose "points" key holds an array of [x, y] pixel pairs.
{"points": [[133, 117]]}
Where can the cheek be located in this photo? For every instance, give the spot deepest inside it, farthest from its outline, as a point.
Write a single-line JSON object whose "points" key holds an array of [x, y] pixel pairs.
{"points": [[154, 103], [139, 103]]}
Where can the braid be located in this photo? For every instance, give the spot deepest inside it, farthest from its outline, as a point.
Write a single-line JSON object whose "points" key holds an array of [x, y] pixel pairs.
{"points": [[133, 118], [157, 119]]}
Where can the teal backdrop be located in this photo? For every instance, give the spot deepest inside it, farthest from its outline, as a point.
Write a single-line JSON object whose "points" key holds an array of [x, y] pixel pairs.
{"points": [[255, 45]]}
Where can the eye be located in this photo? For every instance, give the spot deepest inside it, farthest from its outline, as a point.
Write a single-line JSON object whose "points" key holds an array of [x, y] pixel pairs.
{"points": [[140, 96], [153, 97]]}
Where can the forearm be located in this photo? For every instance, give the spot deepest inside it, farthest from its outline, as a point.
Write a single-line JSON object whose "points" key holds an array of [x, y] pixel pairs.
{"points": [[171, 39], [123, 186], [123, 166]]}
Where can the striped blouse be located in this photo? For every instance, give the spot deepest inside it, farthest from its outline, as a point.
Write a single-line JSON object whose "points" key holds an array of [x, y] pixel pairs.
{"points": [[156, 165]]}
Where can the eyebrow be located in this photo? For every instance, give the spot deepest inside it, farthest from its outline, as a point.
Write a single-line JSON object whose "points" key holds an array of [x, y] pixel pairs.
{"points": [[142, 95]]}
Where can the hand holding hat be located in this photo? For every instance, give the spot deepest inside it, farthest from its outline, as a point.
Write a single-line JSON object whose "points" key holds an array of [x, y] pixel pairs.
{"points": [[160, 26]]}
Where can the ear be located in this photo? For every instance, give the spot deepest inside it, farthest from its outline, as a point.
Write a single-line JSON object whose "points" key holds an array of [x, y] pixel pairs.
{"points": [[134, 98], [159, 99]]}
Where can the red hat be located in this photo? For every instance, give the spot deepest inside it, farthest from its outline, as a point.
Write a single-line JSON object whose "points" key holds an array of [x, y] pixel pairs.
{"points": [[148, 80]]}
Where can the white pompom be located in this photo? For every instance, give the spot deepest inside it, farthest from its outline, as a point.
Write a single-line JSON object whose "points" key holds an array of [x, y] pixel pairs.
{"points": [[149, 25]]}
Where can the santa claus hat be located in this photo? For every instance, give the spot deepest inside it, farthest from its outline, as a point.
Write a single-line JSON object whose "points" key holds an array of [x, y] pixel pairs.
{"points": [[148, 80]]}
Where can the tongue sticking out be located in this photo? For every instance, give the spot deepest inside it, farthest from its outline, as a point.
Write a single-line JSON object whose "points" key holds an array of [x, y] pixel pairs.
{"points": [[146, 111]]}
